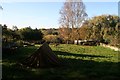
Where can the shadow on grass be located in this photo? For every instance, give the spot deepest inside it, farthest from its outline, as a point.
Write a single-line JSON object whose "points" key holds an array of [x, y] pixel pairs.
{"points": [[19, 55], [74, 69], [76, 55]]}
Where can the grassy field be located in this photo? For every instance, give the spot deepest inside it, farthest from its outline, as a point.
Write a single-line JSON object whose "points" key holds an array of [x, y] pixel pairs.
{"points": [[80, 63]]}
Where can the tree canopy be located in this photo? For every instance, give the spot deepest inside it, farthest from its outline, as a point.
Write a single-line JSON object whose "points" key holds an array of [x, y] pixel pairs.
{"points": [[29, 34]]}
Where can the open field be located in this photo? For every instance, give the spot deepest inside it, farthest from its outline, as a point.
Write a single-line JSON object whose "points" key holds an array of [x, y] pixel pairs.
{"points": [[80, 63]]}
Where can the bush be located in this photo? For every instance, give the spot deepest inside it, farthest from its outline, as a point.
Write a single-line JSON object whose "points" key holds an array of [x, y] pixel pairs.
{"points": [[52, 39]]}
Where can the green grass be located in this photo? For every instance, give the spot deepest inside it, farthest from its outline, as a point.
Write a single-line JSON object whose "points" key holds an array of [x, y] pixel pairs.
{"points": [[104, 54], [81, 63]]}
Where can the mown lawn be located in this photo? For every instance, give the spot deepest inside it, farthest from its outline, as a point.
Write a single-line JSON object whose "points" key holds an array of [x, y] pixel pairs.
{"points": [[80, 63]]}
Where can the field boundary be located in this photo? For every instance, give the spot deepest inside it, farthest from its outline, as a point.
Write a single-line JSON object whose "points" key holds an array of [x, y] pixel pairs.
{"points": [[111, 47]]}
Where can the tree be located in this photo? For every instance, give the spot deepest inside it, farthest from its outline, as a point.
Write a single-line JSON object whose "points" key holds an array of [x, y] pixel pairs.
{"points": [[9, 39], [15, 28], [104, 28], [29, 34], [85, 32], [6, 32], [72, 16], [64, 33]]}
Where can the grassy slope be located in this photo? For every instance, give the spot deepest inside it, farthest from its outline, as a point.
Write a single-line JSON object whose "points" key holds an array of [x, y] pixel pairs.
{"points": [[81, 62]]}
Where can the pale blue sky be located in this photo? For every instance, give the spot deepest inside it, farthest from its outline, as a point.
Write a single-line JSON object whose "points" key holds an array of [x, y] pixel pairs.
{"points": [[46, 14]]}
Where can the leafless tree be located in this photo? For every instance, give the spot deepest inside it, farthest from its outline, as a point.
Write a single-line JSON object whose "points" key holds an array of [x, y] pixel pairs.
{"points": [[72, 15]]}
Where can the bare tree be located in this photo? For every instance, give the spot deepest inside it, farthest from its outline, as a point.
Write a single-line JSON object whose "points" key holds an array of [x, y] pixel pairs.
{"points": [[72, 15]]}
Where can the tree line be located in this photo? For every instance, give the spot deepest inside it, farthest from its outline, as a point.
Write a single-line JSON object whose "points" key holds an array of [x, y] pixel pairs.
{"points": [[74, 25], [26, 34], [103, 28]]}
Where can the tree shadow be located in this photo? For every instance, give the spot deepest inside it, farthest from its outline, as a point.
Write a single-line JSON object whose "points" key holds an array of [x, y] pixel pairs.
{"points": [[19, 55], [73, 69], [92, 70], [76, 55]]}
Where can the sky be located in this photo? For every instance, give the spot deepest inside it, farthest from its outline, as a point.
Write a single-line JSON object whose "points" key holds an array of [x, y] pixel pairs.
{"points": [[46, 14]]}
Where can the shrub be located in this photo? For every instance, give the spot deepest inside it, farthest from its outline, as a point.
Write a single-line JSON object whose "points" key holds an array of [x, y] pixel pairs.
{"points": [[52, 39]]}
